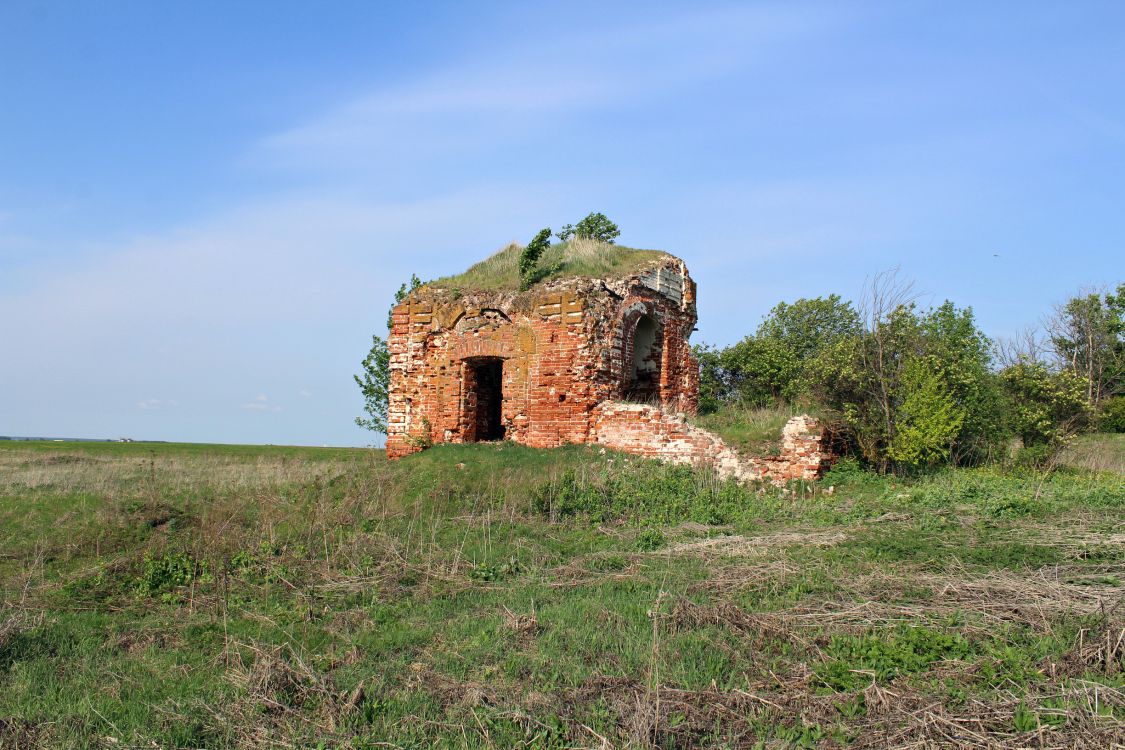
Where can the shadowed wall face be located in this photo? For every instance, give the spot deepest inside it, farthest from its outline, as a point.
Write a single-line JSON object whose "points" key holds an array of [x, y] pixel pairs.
{"points": [[483, 399], [647, 348]]}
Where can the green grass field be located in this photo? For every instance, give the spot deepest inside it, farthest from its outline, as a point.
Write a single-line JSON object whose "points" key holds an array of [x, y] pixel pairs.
{"points": [[494, 596]]}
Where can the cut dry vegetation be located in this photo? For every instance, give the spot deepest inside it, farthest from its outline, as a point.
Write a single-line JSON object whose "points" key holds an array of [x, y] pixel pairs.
{"points": [[495, 596]]}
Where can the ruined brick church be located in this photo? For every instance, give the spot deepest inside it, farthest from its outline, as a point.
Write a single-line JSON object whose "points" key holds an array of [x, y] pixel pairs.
{"points": [[573, 359]]}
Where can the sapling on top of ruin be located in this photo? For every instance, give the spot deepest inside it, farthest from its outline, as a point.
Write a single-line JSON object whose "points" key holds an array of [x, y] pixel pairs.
{"points": [[596, 226], [529, 258]]}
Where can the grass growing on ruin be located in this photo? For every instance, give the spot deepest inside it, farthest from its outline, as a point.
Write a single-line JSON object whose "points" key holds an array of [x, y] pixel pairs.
{"points": [[499, 596], [577, 257], [753, 430]]}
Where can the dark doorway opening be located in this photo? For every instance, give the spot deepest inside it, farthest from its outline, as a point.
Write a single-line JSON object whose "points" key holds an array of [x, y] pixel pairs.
{"points": [[484, 399], [643, 383]]}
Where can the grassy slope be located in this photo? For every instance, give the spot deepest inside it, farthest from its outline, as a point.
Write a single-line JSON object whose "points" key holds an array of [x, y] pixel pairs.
{"points": [[498, 596], [574, 258]]}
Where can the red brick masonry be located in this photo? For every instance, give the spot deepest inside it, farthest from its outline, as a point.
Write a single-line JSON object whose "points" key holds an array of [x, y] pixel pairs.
{"points": [[574, 360], [647, 431]]}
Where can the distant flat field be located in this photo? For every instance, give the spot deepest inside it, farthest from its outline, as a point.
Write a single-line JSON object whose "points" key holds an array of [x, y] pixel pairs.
{"points": [[97, 448], [161, 595]]}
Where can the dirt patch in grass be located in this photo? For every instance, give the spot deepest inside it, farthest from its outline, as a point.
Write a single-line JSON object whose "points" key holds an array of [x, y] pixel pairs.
{"points": [[737, 545]]}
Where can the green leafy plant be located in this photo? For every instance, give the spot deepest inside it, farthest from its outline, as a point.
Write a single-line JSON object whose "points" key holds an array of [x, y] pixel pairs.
{"points": [[164, 573], [650, 540], [1046, 408], [488, 572], [529, 257], [855, 661], [375, 380], [1112, 418], [596, 226], [929, 417]]}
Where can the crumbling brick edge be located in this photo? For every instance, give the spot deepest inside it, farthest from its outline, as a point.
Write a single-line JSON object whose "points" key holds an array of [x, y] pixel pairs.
{"points": [[648, 431]]}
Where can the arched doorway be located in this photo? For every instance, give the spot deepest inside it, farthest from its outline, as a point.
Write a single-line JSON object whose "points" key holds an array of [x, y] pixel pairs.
{"points": [[643, 371], [483, 399]]}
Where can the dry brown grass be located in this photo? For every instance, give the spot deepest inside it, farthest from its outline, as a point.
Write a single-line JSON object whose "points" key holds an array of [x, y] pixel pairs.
{"points": [[1100, 452], [65, 472]]}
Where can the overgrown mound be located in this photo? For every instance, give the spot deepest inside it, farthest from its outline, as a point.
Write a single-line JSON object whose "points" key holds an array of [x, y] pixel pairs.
{"points": [[580, 257]]}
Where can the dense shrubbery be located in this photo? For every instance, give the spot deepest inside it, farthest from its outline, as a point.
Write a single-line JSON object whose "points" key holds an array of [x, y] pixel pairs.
{"points": [[1112, 418], [766, 367], [911, 389]]}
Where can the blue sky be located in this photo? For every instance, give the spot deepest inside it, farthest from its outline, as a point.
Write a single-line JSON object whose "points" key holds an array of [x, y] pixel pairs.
{"points": [[205, 207]]}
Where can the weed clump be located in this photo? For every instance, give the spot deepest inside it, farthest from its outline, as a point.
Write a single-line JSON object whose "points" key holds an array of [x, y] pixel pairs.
{"points": [[856, 661], [166, 573]]}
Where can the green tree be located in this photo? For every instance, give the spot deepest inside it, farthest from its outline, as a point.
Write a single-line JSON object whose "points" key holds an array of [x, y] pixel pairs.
{"points": [[912, 388], [758, 370], [595, 226], [712, 388], [375, 380], [529, 258], [808, 325], [950, 336], [1046, 407], [928, 419], [1112, 417], [1088, 337], [766, 367]]}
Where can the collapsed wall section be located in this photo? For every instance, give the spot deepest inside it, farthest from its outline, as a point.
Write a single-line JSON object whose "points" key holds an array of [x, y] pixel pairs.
{"points": [[648, 431]]}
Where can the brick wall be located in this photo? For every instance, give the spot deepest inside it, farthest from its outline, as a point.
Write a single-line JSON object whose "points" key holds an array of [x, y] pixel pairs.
{"points": [[564, 348], [648, 431], [561, 362]]}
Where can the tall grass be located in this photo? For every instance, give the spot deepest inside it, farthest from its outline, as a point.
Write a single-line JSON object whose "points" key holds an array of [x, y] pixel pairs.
{"points": [[1098, 452], [496, 596], [753, 430], [576, 257]]}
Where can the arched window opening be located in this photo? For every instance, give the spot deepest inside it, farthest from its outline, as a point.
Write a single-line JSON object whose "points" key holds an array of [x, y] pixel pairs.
{"points": [[643, 382]]}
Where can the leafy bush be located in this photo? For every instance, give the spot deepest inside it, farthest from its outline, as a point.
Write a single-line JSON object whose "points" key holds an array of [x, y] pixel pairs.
{"points": [[914, 389], [1112, 418], [529, 257], [849, 471], [596, 226], [929, 418], [1045, 407], [650, 540]]}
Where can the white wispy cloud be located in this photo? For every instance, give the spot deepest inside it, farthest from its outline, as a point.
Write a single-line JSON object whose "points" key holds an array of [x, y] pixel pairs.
{"points": [[156, 404], [261, 402], [521, 88]]}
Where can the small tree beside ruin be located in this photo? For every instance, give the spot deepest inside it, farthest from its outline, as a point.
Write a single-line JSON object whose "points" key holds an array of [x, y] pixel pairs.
{"points": [[376, 376]]}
